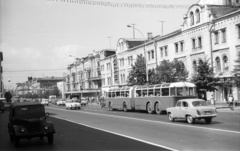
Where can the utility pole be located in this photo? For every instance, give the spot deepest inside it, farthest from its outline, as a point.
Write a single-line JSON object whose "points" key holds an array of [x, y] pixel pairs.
{"points": [[162, 25]]}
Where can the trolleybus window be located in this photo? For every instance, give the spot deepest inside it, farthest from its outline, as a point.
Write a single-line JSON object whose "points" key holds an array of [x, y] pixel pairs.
{"points": [[157, 92], [180, 92], [138, 93], [165, 91], [145, 93], [150, 92], [172, 91], [117, 93]]}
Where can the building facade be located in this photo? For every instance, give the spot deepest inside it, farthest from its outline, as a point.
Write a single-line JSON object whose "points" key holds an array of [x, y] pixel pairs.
{"points": [[84, 77], [210, 31]]}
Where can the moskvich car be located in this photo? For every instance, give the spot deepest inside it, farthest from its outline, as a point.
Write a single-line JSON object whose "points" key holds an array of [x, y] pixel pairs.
{"points": [[28, 120]]}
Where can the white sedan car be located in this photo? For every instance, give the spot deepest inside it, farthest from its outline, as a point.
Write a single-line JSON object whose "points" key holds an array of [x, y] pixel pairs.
{"points": [[72, 105], [44, 101], [192, 109], [61, 103]]}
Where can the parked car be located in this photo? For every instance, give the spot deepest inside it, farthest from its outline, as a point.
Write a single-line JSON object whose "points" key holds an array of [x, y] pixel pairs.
{"points": [[61, 103], [44, 102], [28, 120], [84, 101], [70, 104], [2, 104], [192, 109]]}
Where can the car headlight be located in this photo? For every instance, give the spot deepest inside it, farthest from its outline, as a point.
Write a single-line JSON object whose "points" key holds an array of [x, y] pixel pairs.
{"points": [[46, 127], [23, 130]]}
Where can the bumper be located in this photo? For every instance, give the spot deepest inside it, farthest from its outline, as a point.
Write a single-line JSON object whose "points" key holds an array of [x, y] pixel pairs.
{"points": [[206, 116]]}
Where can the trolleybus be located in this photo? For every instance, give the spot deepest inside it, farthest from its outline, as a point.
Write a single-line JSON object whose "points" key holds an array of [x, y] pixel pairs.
{"points": [[152, 98]]}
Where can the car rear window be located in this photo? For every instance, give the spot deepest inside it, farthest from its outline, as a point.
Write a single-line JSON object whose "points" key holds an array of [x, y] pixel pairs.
{"points": [[199, 103]]}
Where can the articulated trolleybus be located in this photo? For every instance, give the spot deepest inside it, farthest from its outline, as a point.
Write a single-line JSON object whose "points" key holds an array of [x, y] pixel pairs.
{"points": [[152, 98]]}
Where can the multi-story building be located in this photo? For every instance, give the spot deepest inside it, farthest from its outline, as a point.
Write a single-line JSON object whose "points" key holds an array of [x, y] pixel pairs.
{"points": [[210, 30], [1, 77], [84, 77]]}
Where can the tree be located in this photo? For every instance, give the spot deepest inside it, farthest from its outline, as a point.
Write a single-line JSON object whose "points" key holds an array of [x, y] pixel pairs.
{"points": [[137, 75], [204, 78], [55, 91], [174, 71]]}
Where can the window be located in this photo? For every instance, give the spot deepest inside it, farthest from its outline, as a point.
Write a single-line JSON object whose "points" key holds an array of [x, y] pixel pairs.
{"points": [[225, 63], [176, 47], [199, 42], [237, 1], [185, 104], [149, 55], [130, 60], [191, 18], [193, 43], [108, 66], [161, 51], [238, 31], [223, 35], [218, 64], [197, 16], [216, 37], [152, 54], [181, 46], [166, 51], [194, 66]]}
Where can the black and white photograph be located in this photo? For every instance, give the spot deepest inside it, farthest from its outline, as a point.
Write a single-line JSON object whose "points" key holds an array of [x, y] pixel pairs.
{"points": [[120, 75]]}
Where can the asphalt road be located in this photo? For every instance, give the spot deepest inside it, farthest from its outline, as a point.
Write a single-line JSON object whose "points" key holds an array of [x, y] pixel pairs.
{"points": [[222, 134], [71, 136]]}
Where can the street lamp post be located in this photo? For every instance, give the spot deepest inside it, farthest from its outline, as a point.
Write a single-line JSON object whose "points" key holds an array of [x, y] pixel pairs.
{"points": [[144, 47]]}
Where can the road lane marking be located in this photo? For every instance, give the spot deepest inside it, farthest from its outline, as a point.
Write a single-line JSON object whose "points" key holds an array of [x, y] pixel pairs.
{"points": [[115, 133], [159, 122]]}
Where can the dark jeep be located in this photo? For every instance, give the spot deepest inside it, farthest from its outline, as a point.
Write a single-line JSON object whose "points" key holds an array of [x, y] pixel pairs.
{"points": [[28, 120]]}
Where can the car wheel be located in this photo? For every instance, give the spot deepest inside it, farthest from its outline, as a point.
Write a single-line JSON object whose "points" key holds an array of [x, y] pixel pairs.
{"points": [[170, 117], [149, 108], [157, 109], [50, 138], [124, 107], [190, 119], [208, 120], [110, 107]]}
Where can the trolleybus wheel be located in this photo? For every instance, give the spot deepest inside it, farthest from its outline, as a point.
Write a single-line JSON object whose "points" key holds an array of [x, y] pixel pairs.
{"points": [[149, 108], [157, 108]]}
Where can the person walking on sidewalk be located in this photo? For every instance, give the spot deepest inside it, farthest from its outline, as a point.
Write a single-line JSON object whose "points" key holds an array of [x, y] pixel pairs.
{"points": [[231, 101]]}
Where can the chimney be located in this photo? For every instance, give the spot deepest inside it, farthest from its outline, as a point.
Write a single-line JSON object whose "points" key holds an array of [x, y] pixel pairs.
{"points": [[150, 36]]}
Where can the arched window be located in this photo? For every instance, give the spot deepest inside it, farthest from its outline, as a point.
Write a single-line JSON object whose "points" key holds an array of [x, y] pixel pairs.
{"points": [[192, 18], [225, 63], [194, 66], [218, 64], [200, 61], [197, 16]]}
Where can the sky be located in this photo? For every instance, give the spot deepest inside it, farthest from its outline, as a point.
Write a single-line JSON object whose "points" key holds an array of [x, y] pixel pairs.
{"points": [[37, 36]]}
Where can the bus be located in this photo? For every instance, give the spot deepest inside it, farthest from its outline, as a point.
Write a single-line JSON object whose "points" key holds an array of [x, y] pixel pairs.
{"points": [[151, 98]]}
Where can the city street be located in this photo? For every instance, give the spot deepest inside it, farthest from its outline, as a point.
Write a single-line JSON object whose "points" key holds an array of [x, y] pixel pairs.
{"points": [[222, 134], [71, 136]]}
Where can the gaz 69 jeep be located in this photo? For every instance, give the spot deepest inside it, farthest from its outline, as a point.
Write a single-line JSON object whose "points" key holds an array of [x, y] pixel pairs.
{"points": [[28, 120]]}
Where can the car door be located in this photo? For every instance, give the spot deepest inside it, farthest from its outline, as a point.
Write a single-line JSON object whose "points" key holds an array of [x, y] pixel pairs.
{"points": [[184, 109], [177, 110]]}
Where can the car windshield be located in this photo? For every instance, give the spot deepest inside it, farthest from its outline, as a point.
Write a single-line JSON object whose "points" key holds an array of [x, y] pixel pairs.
{"points": [[199, 103], [36, 111]]}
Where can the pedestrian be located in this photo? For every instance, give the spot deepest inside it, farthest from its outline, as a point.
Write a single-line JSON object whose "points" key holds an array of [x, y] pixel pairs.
{"points": [[212, 100], [231, 101]]}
